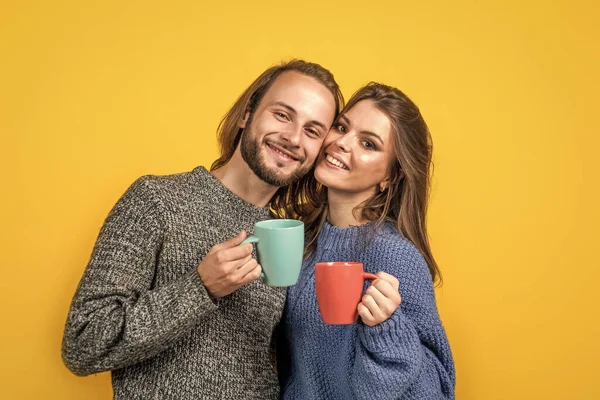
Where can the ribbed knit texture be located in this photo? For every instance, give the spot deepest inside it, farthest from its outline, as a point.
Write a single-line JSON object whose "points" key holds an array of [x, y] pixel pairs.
{"points": [[405, 357], [142, 311]]}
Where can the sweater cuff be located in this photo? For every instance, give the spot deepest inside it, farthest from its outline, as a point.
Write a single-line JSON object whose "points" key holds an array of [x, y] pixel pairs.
{"points": [[382, 337], [198, 294]]}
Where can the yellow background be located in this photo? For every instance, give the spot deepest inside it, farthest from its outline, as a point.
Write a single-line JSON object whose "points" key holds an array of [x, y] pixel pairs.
{"points": [[95, 94]]}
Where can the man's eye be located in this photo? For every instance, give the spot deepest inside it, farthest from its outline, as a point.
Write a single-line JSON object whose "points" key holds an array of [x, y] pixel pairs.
{"points": [[313, 132]]}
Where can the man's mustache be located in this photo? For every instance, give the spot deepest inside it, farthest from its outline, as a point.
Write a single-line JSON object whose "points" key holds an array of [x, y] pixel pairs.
{"points": [[291, 150]]}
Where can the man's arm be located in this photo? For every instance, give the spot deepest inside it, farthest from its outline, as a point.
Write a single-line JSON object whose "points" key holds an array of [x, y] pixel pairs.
{"points": [[115, 318]]}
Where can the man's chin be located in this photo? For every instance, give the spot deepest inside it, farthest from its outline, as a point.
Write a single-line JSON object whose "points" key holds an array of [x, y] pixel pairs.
{"points": [[276, 172], [277, 178]]}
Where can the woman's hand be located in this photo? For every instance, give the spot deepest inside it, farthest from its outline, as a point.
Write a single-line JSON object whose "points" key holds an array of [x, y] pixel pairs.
{"points": [[380, 300]]}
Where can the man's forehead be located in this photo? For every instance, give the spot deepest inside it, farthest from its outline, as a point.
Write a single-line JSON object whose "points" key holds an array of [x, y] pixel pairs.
{"points": [[302, 90], [292, 80], [302, 95]]}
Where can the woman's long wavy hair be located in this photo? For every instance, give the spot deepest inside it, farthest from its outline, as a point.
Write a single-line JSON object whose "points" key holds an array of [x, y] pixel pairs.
{"points": [[404, 202]]}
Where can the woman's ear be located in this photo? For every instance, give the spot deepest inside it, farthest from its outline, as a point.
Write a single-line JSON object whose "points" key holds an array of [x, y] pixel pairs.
{"points": [[383, 186]]}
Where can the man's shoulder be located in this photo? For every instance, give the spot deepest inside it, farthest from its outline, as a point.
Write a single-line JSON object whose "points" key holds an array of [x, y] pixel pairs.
{"points": [[172, 187], [173, 182]]}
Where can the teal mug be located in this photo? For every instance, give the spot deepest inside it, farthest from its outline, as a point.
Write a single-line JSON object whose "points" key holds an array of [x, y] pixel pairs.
{"points": [[280, 248]]}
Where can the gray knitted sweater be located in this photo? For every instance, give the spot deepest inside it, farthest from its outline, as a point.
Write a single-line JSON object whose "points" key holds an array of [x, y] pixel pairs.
{"points": [[142, 312]]}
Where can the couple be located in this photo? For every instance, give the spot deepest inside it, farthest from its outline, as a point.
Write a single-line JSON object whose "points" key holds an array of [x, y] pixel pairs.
{"points": [[171, 303]]}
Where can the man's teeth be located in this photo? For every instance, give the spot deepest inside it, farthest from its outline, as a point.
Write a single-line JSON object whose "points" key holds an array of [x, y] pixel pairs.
{"points": [[336, 162], [280, 152]]}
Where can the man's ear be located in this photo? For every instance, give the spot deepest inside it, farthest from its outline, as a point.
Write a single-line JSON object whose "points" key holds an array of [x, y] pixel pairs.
{"points": [[242, 122]]}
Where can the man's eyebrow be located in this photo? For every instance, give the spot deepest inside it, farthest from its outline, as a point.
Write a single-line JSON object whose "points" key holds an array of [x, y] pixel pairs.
{"points": [[293, 111], [285, 105], [319, 124]]}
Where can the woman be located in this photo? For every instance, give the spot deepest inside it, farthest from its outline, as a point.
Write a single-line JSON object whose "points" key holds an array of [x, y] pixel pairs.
{"points": [[367, 202]]}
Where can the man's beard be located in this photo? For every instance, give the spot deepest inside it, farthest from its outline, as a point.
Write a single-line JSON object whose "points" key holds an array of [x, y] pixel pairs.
{"points": [[251, 153]]}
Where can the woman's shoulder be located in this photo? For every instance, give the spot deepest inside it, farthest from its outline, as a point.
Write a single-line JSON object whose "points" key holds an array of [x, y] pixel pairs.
{"points": [[389, 241], [391, 252]]}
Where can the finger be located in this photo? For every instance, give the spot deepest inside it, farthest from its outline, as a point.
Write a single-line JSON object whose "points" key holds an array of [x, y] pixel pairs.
{"points": [[387, 305], [389, 278], [365, 315], [236, 253], [243, 261], [231, 267], [244, 269], [234, 241], [253, 275], [385, 287], [374, 309], [379, 297]]}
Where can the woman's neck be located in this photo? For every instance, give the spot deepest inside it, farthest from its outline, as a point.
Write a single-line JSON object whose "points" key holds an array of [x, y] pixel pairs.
{"points": [[341, 206]]}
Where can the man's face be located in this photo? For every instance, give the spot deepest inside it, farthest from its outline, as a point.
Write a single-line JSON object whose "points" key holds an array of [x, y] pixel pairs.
{"points": [[282, 138]]}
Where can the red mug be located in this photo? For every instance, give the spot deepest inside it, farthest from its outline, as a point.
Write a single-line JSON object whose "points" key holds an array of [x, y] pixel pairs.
{"points": [[339, 290]]}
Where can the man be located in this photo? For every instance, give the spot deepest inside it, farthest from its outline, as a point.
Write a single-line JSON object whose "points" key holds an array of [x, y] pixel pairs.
{"points": [[170, 301]]}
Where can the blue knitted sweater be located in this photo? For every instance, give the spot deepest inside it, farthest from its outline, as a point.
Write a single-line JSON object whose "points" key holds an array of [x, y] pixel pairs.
{"points": [[405, 357]]}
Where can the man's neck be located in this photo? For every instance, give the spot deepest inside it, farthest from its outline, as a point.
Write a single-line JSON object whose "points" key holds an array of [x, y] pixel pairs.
{"points": [[341, 206], [243, 182]]}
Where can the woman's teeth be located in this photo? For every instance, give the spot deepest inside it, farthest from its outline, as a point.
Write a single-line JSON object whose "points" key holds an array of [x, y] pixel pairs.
{"points": [[336, 162]]}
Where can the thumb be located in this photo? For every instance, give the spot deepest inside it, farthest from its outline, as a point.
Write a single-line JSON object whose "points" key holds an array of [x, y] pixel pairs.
{"points": [[234, 241]]}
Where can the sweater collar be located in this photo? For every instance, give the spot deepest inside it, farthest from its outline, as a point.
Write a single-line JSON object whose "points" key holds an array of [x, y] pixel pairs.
{"points": [[342, 239], [223, 195]]}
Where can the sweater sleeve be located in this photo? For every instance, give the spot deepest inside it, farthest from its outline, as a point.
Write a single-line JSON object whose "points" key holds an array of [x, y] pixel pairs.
{"points": [[116, 317], [409, 352]]}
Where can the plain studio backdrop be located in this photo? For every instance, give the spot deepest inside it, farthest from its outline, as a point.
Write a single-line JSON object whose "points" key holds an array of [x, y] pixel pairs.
{"points": [[96, 94]]}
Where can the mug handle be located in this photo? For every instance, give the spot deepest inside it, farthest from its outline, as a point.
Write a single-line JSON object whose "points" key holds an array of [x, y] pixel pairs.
{"points": [[254, 239], [369, 277], [250, 239]]}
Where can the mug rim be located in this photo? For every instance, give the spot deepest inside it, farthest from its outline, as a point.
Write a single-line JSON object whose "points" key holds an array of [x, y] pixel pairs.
{"points": [[261, 224], [339, 263]]}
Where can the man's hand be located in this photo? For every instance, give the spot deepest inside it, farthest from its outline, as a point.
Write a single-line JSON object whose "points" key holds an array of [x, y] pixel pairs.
{"points": [[228, 265]]}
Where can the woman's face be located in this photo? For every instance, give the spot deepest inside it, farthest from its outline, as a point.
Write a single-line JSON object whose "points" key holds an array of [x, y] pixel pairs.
{"points": [[357, 152]]}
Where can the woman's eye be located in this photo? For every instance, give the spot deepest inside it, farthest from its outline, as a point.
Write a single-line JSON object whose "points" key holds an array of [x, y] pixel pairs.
{"points": [[341, 128], [368, 145]]}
